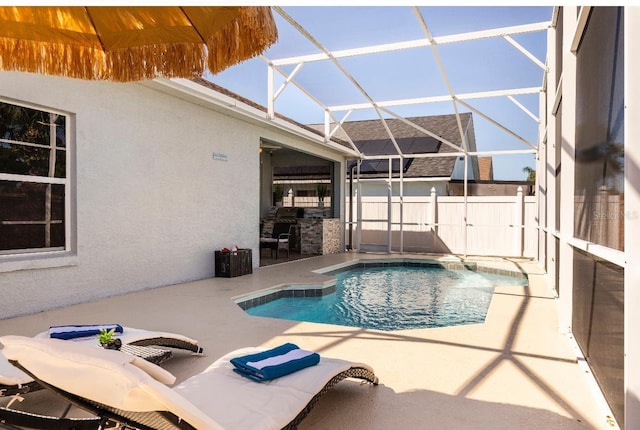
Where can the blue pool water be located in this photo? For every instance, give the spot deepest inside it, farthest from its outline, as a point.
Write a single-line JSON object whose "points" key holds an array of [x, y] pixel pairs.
{"points": [[395, 298]]}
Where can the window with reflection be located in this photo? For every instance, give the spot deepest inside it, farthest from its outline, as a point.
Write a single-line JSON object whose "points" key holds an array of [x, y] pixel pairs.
{"points": [[598, 323], [598, 285], [599, 168], [33, 176]]}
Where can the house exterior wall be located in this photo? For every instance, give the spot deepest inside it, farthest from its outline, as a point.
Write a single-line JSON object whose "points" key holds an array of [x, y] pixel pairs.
{"points": [[151, 202], [458, 168], [410, 188], [491, 188], [473, 171]]}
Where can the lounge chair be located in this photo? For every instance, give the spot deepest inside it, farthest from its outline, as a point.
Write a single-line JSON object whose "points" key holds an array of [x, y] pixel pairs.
{"points": [[14, 382], [111, 386]]}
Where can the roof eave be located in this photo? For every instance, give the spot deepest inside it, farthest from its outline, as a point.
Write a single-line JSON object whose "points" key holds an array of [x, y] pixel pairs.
{"points": [[187, 89]]}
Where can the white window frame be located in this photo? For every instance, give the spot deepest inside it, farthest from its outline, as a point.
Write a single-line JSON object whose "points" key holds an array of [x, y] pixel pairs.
{"points": [[40, 258]]}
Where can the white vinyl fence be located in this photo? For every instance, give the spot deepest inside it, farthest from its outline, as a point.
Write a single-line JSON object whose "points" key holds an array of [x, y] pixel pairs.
{"points": [[496, 225]]}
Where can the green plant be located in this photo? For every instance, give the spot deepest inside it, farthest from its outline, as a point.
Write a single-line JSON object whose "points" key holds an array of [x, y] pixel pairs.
{"points": [[531, 173], [107, 339], [322, 190], [106, 336], [278, 191]]}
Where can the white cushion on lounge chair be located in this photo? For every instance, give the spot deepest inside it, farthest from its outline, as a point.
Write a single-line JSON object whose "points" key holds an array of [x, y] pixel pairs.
{"points": [[11, 375], [156, 372], [215, 398], [106, 376], [240, 403]]}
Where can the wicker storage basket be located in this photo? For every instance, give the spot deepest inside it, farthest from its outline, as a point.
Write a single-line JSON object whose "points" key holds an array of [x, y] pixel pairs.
{"points": [[231, 264]]}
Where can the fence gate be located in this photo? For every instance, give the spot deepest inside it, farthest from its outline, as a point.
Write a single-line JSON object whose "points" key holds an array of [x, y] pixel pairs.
{"points": [[378, 220]]}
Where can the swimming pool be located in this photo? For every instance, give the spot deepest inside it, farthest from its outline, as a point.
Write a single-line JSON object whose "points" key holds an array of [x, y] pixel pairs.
{"points": [[394, 298]]}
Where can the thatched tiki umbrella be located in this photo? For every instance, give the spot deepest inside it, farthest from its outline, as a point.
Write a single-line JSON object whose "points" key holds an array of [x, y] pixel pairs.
{"points": [[131, 43]]}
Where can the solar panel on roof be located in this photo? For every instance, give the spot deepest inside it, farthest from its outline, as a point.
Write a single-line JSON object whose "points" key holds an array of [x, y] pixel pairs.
{"points": [[382, 147], [408, 145], [418, 145], [381, 166]]}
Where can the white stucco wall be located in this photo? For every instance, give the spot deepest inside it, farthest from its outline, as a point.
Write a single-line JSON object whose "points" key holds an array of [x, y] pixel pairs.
{"points": [[152, 204]]}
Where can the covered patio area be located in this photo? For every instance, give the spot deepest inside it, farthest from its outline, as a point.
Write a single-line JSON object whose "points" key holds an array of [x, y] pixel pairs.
{"points": [[514, 371]]}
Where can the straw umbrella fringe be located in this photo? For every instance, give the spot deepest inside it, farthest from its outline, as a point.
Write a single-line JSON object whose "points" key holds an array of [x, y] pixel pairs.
{"points": [[242, 39], [248, 34]]}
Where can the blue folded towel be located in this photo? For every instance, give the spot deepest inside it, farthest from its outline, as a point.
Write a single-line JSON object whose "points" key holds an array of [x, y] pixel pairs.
{"points": [[74, 331], [274, 363]]}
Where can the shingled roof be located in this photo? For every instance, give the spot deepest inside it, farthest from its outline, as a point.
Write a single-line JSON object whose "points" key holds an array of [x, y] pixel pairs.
{"points": [[370, 133]]}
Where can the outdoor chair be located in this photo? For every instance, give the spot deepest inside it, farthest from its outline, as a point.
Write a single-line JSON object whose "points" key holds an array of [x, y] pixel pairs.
{"points": [[111, 385], [280, 238], [143, 343]]}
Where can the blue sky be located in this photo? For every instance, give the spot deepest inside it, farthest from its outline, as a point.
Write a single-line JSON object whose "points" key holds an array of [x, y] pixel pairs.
{"points": [[482, 65]]}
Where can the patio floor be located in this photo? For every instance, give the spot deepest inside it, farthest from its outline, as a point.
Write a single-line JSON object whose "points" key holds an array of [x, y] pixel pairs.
{"points": [[515, 371]]}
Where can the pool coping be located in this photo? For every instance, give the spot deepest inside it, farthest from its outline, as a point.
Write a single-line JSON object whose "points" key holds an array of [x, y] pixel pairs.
{"points": [[263, 296]]}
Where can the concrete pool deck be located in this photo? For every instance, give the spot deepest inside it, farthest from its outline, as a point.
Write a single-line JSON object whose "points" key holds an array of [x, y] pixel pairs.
{"points": [[515, 371]]}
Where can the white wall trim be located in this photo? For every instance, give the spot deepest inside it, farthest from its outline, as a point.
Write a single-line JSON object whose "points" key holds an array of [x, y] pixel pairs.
{"points": [[611, 255]]}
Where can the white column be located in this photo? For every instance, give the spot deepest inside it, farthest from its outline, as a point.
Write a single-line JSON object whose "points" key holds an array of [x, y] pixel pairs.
{"points": [[632, 216], [568, 168], [270, 93], [541, 178], [327, 123], [433, 208], [389, 207], [339, 198], [466, 221], [550, 158], [401, 197], [359, 208], [518, 223], [433, 217]]}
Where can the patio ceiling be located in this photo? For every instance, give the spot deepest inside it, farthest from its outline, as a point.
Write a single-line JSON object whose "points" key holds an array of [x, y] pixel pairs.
{"points": [[334, 85]]}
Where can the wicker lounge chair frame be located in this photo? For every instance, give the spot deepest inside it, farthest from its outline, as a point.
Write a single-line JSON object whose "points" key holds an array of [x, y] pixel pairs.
{"points": [[12, 390], [14, 417], [168, 342], [162, 420]]}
